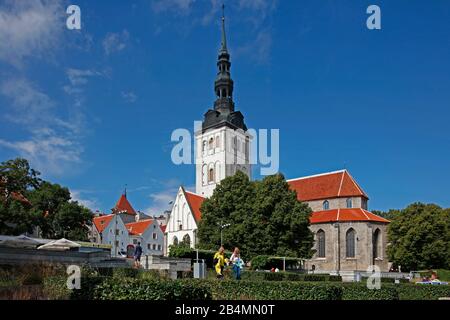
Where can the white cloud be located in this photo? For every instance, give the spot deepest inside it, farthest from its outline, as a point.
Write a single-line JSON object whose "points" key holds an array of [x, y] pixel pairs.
{"points": [[53, 143], [115, 42], [78, 79], [181, 7], [29, 104], [259, 49], [77, 195], [129, 97], [47, 150], [29, 29], [161, 201]]}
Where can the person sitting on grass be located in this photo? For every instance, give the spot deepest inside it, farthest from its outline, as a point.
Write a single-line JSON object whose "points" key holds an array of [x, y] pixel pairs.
{"points": [[219, 262], [137, 255]]}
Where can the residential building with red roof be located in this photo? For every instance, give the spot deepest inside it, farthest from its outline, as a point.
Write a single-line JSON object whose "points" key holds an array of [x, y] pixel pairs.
{"points": [[150, 235], [110, 229]]}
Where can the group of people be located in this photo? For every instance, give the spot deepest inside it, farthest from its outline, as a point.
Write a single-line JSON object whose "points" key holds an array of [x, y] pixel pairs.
{"points": [[235, 262], [219, 261]]}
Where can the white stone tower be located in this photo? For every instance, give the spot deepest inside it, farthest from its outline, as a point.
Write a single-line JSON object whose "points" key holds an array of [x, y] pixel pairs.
{"points": [[222, 144]]}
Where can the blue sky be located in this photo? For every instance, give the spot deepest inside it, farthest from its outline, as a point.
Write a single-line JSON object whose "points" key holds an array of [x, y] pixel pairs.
{"points": [[94, 109]]}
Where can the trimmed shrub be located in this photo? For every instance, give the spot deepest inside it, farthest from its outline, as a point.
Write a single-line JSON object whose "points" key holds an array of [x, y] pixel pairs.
{"points": [[387, 280], [133, 289], [357, 291], [422, 291], [274, 290], [273, 276], [264, 262]]}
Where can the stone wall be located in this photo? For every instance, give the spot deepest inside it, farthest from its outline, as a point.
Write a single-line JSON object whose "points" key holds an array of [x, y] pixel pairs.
{"points": [[335, 247]]}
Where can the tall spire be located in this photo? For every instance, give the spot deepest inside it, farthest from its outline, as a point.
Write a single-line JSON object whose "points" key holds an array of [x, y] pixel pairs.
{"points": [[224, 38], [223, 113], [223, 85]]}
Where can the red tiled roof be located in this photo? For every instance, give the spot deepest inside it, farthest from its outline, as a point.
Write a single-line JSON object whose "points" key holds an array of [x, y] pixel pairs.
{"points": [[327, 185], [163, 228], [123, 205], [102, 222], [138, 228], [194, 201], [342, 215]]}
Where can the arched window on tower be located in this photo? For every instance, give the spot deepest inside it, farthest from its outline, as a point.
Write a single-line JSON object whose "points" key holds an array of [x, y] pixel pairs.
{"points": [[349, 203], [217, 142], [211, 175], [326, 205], [204, 146], [350, 238], [211, 143], [321, 244]]}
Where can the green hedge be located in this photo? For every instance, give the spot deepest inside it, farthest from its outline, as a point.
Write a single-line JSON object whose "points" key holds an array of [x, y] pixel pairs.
{"points": [[264, 262], [386, 280], [113, 288], [268, 290], [422, 291], [288, 276], [359, 291]]}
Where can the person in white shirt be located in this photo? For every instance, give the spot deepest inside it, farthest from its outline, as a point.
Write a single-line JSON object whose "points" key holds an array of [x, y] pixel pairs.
{"points": [[237, 263]]}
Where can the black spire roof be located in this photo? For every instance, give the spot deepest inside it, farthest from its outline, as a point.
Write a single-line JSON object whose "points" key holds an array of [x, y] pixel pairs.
{"points": [[223, 113]]}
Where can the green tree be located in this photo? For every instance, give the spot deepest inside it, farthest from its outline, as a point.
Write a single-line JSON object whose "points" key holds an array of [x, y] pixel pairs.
{"points": [[419, 237], [57, 216], [264, 217], [231, 203], [48, 205], [285, 221], [71, 221], [17, 179], [17, 176]]}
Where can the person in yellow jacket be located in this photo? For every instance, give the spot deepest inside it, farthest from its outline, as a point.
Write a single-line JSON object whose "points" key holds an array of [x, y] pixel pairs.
{"points": [[219, 262]]}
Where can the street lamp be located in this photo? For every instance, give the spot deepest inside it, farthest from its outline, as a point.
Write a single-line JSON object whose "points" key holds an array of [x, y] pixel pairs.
{"points": [[222, 226]]}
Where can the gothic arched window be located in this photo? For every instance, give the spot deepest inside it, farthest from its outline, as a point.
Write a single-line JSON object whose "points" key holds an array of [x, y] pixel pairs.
{"points": [[326, 205], [349, 203], [175, 240], [187, 240], [350, 243], [321, 244], [376, 244]]}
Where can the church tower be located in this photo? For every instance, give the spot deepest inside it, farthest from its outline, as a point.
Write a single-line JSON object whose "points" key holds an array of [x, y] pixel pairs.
{"points": [[223, 144]]}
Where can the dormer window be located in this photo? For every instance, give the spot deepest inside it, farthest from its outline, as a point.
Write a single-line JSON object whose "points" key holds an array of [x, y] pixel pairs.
{"points": [[326, 205], [349, 203]]}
